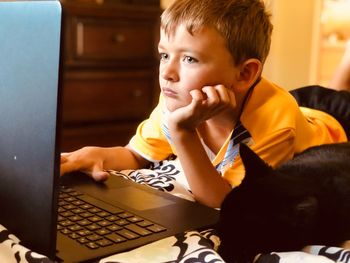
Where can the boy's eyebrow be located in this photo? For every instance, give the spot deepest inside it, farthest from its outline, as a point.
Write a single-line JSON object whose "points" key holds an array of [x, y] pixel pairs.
{"points": [[160, 46]]}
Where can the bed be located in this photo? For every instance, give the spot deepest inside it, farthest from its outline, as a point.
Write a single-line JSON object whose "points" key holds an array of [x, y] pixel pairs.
{"points": [[191, 246]]}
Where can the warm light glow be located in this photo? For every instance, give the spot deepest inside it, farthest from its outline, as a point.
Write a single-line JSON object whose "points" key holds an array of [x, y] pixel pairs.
{"points": [[336, 20]]}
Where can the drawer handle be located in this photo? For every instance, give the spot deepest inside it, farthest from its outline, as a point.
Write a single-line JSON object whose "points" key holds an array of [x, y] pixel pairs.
{"points": [[118, 38], [137, 93]]}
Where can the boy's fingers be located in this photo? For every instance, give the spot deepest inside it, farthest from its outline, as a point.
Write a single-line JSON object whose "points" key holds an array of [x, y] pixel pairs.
{"points": [[231, 97], [212, 95], [222, 91], [197, 95], [66, 167], [98, 174], [64, 159]]}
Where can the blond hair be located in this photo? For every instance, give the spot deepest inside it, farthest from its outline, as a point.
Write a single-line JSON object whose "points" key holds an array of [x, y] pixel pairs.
{"points": [[244, 24]]}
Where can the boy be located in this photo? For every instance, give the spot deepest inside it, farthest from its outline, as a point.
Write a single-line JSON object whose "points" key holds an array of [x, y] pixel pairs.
{"points": [[212, 98]]}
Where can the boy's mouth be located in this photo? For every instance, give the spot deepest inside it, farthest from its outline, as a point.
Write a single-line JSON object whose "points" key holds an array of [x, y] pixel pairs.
{"points": [[169, 92]]}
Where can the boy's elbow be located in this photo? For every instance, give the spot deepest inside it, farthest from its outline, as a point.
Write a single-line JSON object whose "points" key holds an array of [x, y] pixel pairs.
{"points": [[216, 198]]}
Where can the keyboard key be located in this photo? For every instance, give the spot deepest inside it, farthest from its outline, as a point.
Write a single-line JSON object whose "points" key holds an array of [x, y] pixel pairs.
{"points": [[103, 231], [61, 209], [94, 210], [86, 206], [69, 207], [104, 242], [86, 214], [84, 232], [144, 223], [156, 228], [70, 199], [92, 245], [112, 218], [74, 193], [75, 218], [114, 227], [77, 211], [83, 240], [134, 219], [74, 235], [66, 214], [128, 234], [121, 222], [125, 215], [65, 231], [94, 237], [103, 214], [84, 222], [115, 238], [93, 227], [65, 189], [78, 202], [75, 228], [139, 230], [104, 223], [66, 223], [95, 218]]}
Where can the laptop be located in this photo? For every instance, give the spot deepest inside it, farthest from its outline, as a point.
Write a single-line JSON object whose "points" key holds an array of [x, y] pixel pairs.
{"points": [[45, 211]]}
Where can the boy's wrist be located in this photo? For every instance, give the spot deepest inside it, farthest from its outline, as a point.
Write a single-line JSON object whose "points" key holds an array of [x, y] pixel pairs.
{"points": [[181, 128], [179, 132]]}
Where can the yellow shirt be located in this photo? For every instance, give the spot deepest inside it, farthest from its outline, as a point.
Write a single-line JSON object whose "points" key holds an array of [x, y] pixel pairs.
{"points": [[279, 128]]}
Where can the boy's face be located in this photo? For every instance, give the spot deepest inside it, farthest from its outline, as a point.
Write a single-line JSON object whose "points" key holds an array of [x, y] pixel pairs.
{"points": [[189, 62]]}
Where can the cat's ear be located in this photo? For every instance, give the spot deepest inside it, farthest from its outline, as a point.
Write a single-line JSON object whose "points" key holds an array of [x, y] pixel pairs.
{"points": [[255, 167]]}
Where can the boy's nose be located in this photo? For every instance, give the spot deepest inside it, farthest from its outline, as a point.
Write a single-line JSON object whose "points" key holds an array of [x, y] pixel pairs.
{"points": [[169, 72]]}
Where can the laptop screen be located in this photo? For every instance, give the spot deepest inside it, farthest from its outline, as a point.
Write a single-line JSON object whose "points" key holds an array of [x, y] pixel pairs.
{"points": [[29, 95]]}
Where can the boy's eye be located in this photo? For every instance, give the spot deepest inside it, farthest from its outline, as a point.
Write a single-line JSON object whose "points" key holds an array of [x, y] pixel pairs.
{"points": [[163, 56], [190, 60]]}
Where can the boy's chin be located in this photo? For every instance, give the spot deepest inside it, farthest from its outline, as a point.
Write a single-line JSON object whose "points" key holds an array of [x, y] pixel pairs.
{"points": [[172, 106]]}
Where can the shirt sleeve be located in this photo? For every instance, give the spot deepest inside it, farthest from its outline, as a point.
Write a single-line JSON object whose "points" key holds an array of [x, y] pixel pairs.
{"points": [[149, 140]]}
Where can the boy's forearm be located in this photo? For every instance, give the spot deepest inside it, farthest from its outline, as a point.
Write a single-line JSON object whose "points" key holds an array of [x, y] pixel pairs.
{"points": [[205, 182], [121, 158]]}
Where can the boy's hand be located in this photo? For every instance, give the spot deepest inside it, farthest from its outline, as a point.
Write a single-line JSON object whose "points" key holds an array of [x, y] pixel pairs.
{"points": [[86, 160], [205, 104]]}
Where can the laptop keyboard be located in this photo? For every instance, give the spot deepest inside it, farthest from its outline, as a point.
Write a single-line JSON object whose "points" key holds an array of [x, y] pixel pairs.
{"points": [[96, 224]]}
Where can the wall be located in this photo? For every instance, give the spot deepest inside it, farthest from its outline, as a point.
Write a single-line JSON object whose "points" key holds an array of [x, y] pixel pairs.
{"points": [[165, 3], [334, 35], [293, 54]]}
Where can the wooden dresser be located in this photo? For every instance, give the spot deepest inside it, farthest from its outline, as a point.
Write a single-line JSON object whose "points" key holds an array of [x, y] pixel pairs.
{"points": [[110, 65]]}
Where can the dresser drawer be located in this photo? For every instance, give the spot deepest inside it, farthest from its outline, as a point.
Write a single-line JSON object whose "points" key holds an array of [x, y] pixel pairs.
{"points": [[101, 134], [90, 97], [111, 39]]}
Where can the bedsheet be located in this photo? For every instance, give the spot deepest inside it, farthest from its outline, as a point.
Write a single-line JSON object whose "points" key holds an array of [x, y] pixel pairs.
{"points": [[188, 247]]}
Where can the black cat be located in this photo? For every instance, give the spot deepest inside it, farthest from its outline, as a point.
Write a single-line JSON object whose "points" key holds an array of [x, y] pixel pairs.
{"points": [[305, 201]]}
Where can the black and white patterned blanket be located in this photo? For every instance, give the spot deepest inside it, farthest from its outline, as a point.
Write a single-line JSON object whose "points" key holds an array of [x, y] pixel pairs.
{"points": [[189, 247]]}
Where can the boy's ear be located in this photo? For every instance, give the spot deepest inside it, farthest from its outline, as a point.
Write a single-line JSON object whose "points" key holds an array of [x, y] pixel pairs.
{"points": [[254, 166], [250, 71]]}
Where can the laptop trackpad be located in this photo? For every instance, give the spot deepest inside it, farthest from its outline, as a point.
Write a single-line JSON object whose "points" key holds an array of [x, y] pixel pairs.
{"points": [[136, 198]]}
